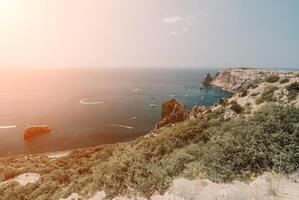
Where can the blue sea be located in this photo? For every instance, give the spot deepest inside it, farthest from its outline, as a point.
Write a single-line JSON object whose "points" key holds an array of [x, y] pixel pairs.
{"points": [[88, 107]]}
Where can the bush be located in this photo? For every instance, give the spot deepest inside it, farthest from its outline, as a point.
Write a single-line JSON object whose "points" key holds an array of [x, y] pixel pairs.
{"points": [[236, 107], [255, 94], [268, 95], [244, 93], [253, 86], [268, 140], [272, 79], [284, 80], [293, 89]]}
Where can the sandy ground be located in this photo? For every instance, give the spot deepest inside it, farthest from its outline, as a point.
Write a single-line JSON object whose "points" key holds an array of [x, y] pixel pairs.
{"points": [[24, 179], [265, 187]]}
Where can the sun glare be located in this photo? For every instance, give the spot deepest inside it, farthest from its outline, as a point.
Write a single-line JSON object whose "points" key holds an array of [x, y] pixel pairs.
{"points": [[5, 6]]}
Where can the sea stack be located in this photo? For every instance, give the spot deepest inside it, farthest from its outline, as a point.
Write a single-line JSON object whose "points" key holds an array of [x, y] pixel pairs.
{"points": [[207, 79], [172, 111], [32, 131]]}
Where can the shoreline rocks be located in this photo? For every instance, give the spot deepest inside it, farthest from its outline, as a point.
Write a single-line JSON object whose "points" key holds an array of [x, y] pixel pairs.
{"points": [[32, 131], [207, 79], [172, 111], [239, 79]]}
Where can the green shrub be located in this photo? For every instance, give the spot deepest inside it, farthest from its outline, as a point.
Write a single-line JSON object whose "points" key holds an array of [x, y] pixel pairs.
{"points": [[243, 94], [253, 86], [268, 140], [268, 95], [236, 107], [255, 94], [284, 80], [272, 79], [293, 90]]}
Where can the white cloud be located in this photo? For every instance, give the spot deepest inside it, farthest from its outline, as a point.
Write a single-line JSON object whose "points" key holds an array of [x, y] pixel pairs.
{"points": [[171, 20]]}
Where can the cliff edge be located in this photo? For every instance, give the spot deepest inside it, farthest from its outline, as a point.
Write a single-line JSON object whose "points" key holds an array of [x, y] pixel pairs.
{"points": [[238, 79]]}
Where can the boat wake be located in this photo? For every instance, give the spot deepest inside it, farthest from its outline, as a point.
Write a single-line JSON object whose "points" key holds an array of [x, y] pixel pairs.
{"points": [[133, 118], [136, 90], [121, 126], [85, 102], [8, 127]]}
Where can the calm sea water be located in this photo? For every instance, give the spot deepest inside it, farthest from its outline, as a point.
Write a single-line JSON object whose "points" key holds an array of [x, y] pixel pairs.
{"points": [[86, 107]]}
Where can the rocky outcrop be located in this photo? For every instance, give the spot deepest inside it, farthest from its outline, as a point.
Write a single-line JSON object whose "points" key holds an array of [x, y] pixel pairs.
{"points": [[207, 79], [198, 111], [32, 131], [239, 79], [172, 112]]}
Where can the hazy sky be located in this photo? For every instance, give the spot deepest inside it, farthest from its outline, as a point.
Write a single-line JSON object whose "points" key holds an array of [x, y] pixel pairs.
{"points": [[149, 33]]}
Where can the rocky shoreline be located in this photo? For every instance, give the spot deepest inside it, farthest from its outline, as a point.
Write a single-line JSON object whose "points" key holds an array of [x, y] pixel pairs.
{"points": [[238, 79]]}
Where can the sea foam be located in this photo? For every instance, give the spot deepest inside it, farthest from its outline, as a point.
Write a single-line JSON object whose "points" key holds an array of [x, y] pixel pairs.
{"points": [[8, 127], [121, 126], [85, 102]]}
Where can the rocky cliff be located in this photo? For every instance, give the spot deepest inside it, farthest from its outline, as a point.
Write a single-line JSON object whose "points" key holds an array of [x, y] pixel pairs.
{"points": [[172, 112], [237, 79]]}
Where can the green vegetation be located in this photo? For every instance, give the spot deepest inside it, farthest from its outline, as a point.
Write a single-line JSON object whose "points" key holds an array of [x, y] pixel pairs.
{"points": [[244, 93], [267, 95], [253, 86], [272, 79], [207, 147], [293, 90], [266, 141], [236, 107], [284, 80], [255, 94]]}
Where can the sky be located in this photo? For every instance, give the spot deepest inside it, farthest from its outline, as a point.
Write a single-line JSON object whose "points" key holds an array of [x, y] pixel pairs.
{"points": [[149, 33]]}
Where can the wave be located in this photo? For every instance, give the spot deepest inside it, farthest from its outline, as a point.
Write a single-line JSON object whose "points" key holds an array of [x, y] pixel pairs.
{"points": [[136, 90], [133, 118], [121, 126], [153, 105], [84, 102], [8, 127]]}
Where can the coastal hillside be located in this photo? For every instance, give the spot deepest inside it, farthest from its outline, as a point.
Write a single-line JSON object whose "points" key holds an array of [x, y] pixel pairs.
{"points": [[243, 147]]}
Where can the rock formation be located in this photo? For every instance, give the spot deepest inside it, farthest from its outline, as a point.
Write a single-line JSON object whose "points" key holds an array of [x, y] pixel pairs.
{"points": [[33, 131], [207, 79], [239, 79], [172, 112], [198, 111]]}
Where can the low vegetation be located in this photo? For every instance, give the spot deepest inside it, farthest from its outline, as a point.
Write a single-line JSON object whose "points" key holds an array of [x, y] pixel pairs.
{"points": [[272, 79], [244, 93], [209, 147], [293, 90], [284, 80], [267, 95], [236, 107]]}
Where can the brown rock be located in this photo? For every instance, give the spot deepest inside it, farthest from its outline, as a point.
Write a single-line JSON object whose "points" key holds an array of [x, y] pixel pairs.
{"points": [[172, 112], [207, 79], [36, 130], [197, 111]]}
